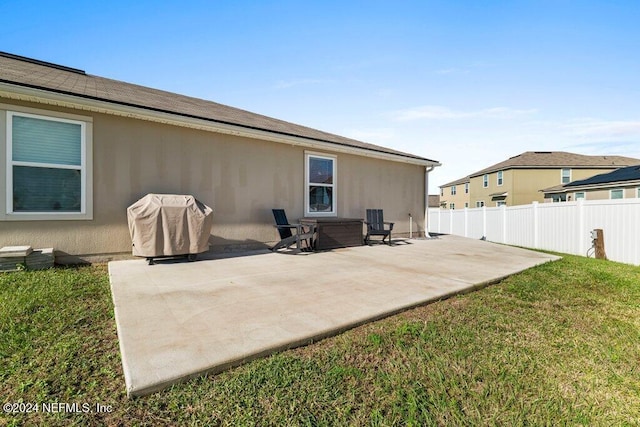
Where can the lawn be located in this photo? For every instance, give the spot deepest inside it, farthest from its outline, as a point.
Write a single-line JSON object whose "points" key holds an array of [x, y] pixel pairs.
{"points": [[556, 345]]}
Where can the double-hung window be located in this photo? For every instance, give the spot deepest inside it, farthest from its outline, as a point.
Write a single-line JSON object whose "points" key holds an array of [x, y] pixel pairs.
{"points": [[320, 185], [566, 175], [617, 194], [500, 178], [485, 180], [453, 190], [47, 172]]}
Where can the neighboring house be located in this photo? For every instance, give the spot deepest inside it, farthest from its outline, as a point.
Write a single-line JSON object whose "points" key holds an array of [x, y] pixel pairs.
{"points": [[518, 180], [623, 183], [455, 194], [77, 150], [434, 200]]}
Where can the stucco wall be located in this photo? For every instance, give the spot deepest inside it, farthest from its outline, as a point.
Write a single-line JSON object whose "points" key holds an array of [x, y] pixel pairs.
{"points": [[242, 179]]}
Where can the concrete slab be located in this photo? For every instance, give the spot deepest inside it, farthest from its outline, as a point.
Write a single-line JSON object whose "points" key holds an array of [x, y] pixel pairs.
{"points": [[176, 320]]}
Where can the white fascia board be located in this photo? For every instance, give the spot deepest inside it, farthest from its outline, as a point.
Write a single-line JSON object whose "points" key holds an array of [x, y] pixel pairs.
{"points": [[41, 96]]}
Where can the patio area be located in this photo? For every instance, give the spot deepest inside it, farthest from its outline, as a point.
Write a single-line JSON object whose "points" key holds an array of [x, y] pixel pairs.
{"points": [[176, 320]]}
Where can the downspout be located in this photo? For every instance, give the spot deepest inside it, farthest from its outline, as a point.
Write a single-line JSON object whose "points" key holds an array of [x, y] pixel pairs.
{"points": [[427, 169]]}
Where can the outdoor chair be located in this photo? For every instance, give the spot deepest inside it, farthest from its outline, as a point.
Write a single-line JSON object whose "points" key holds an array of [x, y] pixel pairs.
{"points": [[303, 233], [376, 226]]}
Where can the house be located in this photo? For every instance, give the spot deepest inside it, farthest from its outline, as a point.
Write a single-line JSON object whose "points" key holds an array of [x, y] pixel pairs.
{"points": [[455, 194], [78, 149], [517, 180], [623, 183]]}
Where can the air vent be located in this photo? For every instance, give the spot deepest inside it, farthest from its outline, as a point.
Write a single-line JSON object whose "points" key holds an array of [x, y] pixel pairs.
{"points": [[43, 63], [542, 152]]}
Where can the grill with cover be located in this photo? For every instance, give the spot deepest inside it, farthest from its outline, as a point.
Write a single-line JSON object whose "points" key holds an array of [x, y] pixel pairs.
{"points": [[168, 225]]}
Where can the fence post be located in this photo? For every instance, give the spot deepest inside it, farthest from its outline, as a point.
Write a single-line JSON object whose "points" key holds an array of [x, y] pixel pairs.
{"points": [[536, 241], [484, 222], [503, 208], [581, 231], [466, 226]]}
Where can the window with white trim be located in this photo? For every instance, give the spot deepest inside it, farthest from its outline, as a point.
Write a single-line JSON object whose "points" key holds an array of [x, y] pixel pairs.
{"points": [[46, 175], [466, 188], [466, 204], [617, 194], [579, 195], [566, 176], [452, 206], [453, 190], [501, 203], [500, 178], [479, 204], [485, 180], [320, 185]]}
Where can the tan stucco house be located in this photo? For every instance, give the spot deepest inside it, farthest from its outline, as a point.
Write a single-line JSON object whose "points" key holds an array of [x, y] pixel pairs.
{"points": [[623, 183], [77, 150], [455, 194], [519, 179]]}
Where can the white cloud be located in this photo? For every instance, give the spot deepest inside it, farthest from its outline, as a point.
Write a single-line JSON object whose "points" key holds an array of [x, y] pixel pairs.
{"points": [[437, 112], [603, 128]]}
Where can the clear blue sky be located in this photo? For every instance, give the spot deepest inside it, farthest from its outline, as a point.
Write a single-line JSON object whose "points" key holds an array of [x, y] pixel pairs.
{"points": [[467, 83]]}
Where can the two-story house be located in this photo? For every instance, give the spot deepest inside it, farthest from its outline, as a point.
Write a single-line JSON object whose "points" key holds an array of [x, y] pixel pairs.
{"points": [[519, 179]]}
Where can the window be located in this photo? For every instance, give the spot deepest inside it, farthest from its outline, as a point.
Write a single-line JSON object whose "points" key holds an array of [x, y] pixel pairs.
{"points": [[320, 194], [479, 204], [557, 198], [501, 203], [638, 195], [452, 205], [500, 180], [453, 190], [617, 194], [47, 173], [441, 191], [566, 175], [580, 195], [466, 204], [485, 180], [466, 188]]}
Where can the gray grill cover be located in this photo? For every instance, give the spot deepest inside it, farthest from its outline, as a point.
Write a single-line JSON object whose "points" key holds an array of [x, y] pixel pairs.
{"points": [[168, 224]]}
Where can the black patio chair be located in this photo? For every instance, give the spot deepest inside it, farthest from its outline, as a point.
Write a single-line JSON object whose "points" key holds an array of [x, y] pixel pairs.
{"points": [[376, 226], [303, 233]]}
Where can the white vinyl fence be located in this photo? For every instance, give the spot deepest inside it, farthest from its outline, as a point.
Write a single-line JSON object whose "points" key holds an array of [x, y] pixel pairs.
{"points": [[561, 227]]}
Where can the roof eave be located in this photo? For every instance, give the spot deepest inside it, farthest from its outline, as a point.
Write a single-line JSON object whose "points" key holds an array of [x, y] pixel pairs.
{"points": [[67, 100]]}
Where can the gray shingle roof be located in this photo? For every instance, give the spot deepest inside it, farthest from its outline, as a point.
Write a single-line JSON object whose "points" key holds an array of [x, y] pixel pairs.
{"points": [[558, 159], [630, 173], [457, 182], [36, 74]]}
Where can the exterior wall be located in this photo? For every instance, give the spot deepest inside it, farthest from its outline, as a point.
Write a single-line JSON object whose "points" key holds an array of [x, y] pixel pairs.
{"points": [[523, 185], [242, 179], [459, 199]]}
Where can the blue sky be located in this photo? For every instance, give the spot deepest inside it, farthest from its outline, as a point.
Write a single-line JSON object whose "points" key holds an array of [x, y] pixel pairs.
{"points": [[467, 83]]}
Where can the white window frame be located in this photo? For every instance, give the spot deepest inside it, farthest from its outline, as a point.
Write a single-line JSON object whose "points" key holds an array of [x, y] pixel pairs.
{"points": [[466, 204], [466, 188], [485, 180], [621, 190], [499, 178], [453, 190], [501, 203], [452, 206], [480, 204], [334, 212], [562, 175], [584, 195], [7, 113]]}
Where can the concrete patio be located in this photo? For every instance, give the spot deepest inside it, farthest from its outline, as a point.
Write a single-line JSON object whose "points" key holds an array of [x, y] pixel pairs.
{"points": [[177, 320]]}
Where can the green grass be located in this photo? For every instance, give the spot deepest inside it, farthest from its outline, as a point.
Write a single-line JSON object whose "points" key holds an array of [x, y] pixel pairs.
{"points": [[556, 345]]}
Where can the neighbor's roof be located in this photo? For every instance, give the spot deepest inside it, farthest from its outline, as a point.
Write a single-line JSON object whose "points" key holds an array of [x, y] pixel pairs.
{"points": [[35, 74], [629, 175], [558, 159], [457, 182]]}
